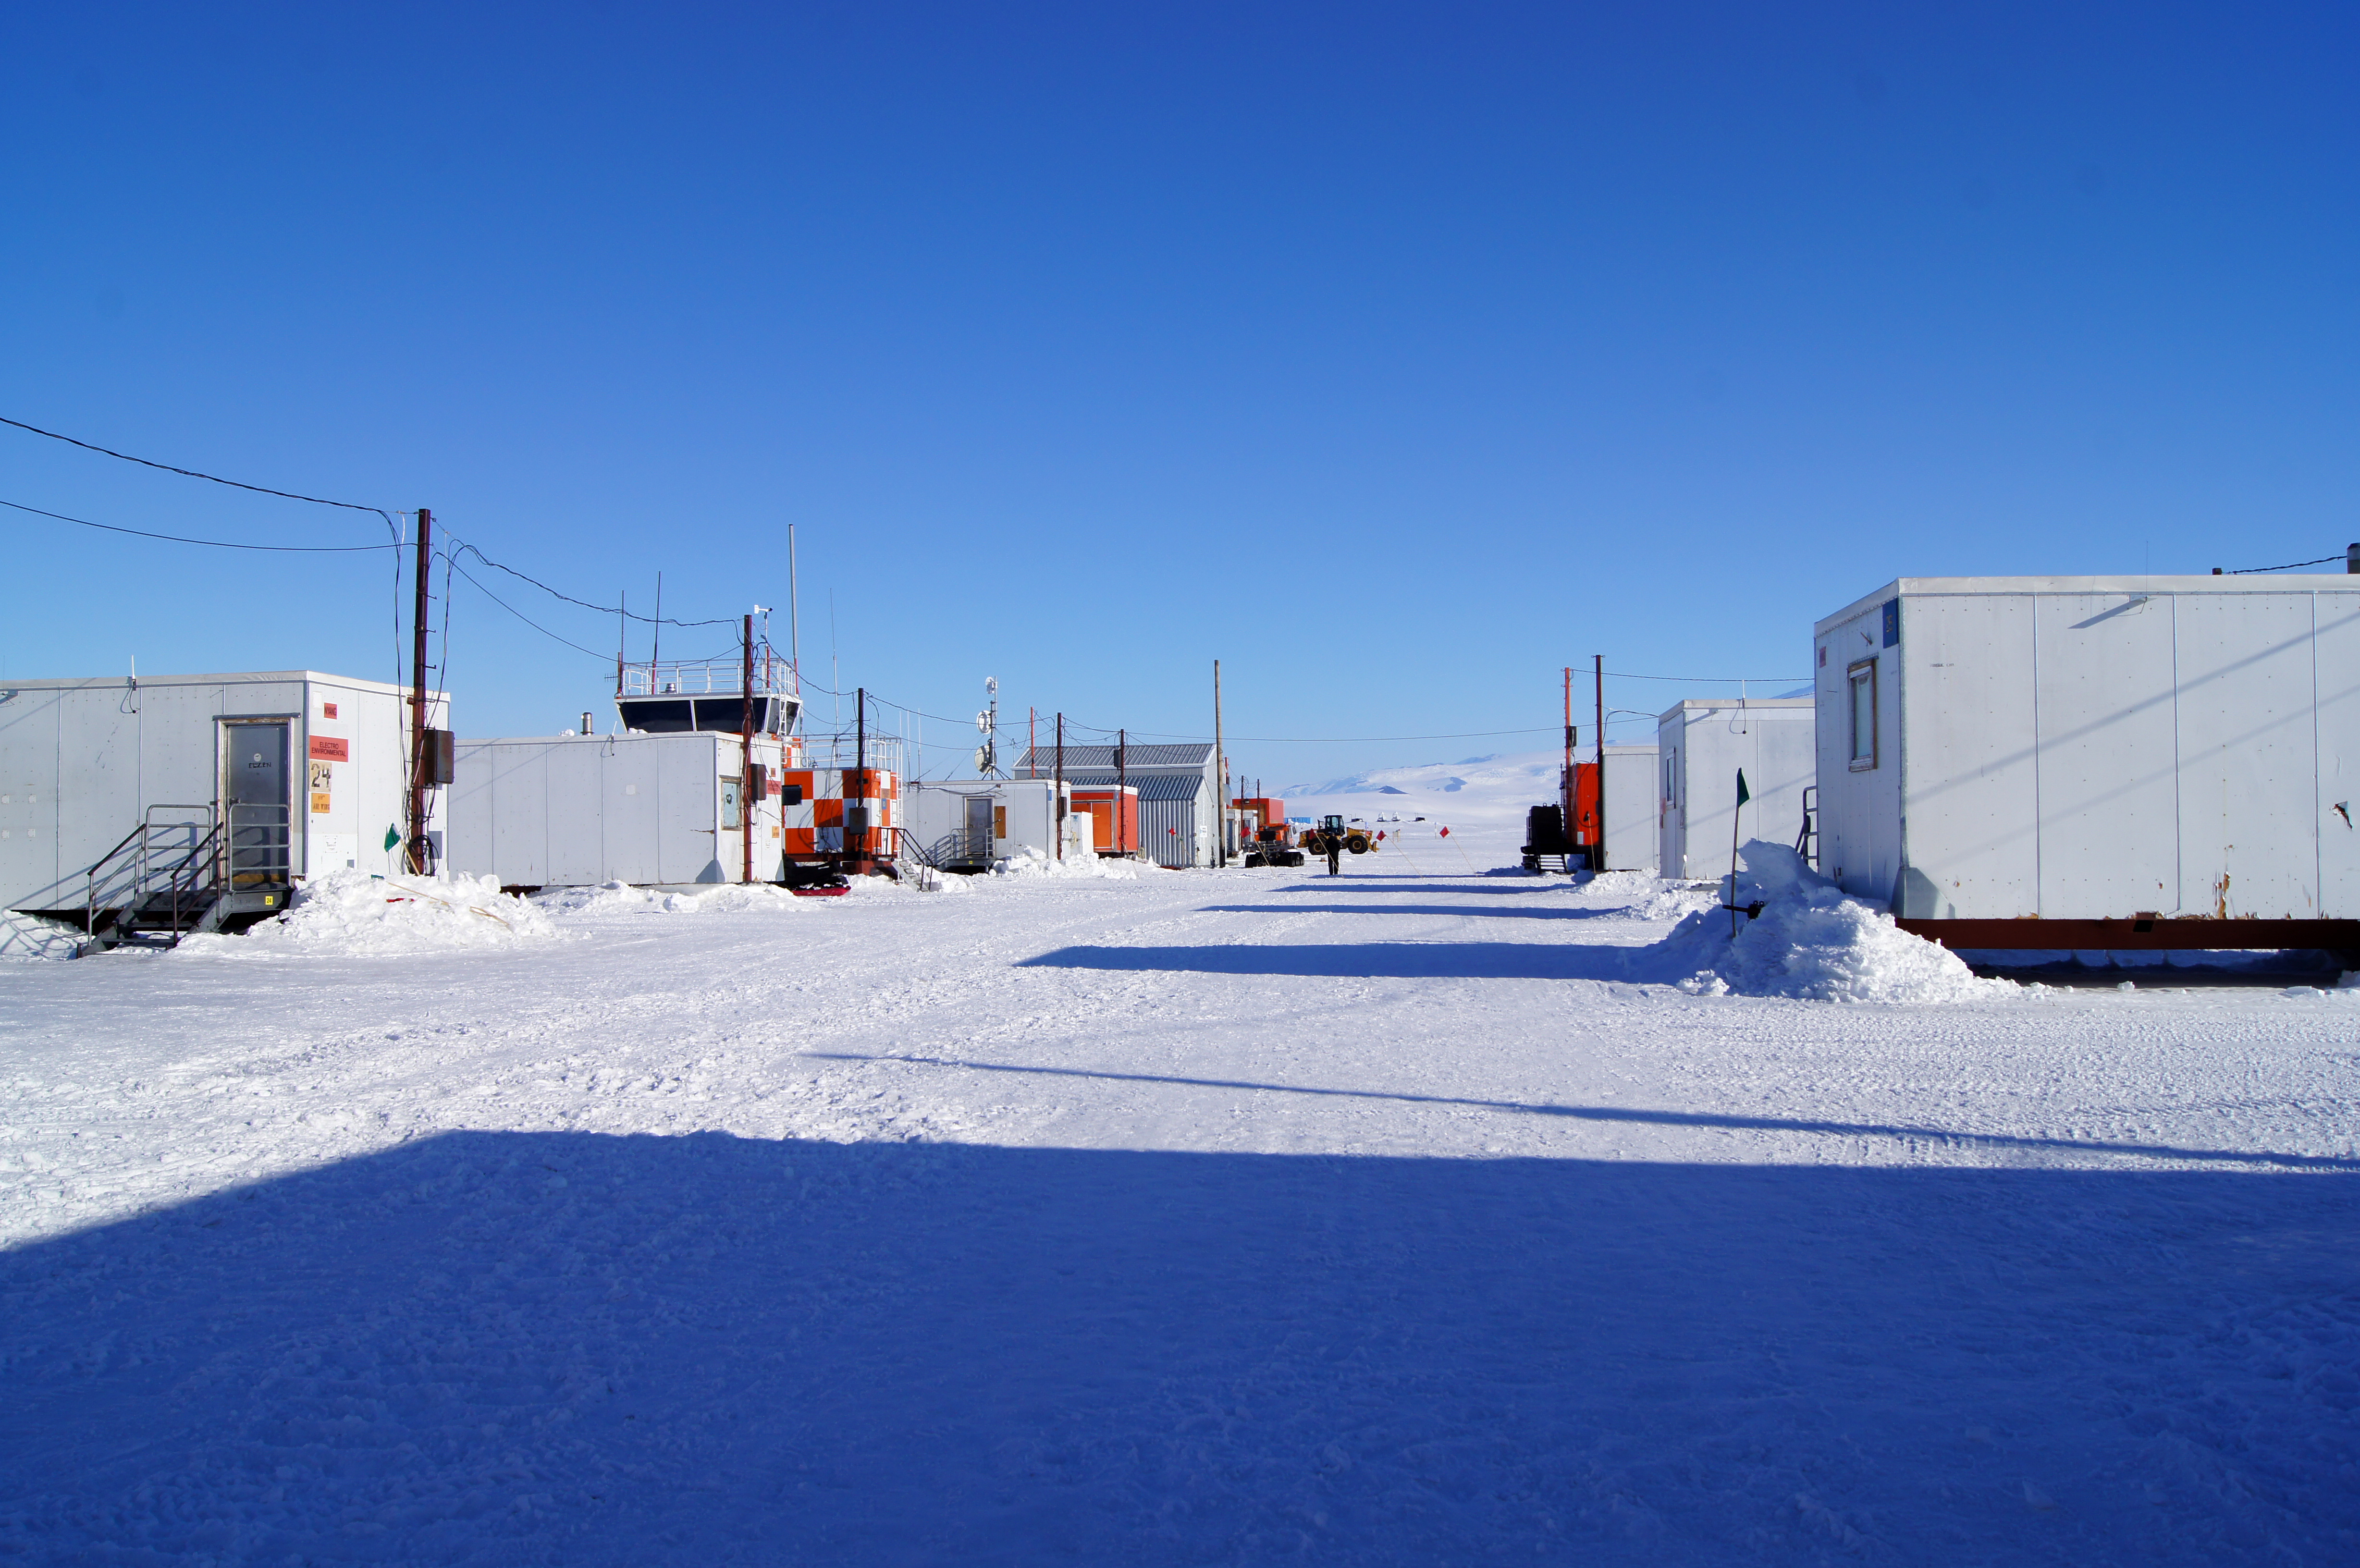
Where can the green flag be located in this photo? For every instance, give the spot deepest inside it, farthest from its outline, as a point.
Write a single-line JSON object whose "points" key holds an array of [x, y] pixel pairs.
{"points": [[1743, 794], [393, 835]]}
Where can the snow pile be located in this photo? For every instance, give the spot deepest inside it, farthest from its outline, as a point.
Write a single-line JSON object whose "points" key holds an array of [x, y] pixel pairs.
{"points": [[623, 898], [31, 939], [1811, 942], [1029, 860], [1647, 896], [351, 911]]}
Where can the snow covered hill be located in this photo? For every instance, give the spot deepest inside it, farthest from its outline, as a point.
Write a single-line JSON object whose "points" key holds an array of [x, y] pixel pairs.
{"points": [[1481, 800]]}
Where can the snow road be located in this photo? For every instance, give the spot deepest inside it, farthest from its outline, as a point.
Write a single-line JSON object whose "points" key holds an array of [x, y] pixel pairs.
{"points": [[1208, 1218]]}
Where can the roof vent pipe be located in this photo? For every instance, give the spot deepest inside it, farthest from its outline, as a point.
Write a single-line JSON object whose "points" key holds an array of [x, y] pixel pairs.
{"points": [[585, 720], [2351, 558]]}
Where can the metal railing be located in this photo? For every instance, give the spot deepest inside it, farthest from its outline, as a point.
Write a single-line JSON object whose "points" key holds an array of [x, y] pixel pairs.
{"points": [[260, 848], [171, 872], [773, 677], [1807, 843], [848, 749], [179, 853]]}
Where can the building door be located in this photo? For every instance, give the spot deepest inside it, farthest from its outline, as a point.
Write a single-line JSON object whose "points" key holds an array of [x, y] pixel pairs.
{"points": [[976, 842], [255, 801]]}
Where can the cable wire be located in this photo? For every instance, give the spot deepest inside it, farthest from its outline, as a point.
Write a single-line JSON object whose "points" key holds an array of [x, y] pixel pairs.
{"points": [[602, 609], [216, 544], [2290, 566], [192, 474], [528, 620]]}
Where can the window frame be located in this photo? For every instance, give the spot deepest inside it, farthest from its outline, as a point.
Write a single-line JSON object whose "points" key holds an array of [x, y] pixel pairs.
{"points": [[1863, 671]]}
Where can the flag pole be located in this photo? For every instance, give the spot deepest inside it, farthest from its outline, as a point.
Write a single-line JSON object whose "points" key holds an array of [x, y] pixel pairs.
{"points": [[1734, 812]]}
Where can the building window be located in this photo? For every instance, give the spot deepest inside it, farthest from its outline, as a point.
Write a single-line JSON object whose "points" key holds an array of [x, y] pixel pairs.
{"points": [[1863, 716], [1669, 763]]}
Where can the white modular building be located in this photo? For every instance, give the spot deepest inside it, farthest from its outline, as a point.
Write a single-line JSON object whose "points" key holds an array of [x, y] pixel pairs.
{"points": [[2097, 762], [291, 772], [1701, 746], [1630, 807], [661, 810], [966, 824]]}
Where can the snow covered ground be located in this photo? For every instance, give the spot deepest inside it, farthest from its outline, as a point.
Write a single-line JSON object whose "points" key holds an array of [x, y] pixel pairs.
{"points": [[1191, 1218]]}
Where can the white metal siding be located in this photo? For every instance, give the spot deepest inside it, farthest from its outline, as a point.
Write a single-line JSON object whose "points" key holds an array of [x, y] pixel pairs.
{"points": [[2336, 677], [1704, 744], [2099, 748], [1631, 824], [1860, 842], [96, 754], [2248, 759], [2108, 788], [1968, 734]]}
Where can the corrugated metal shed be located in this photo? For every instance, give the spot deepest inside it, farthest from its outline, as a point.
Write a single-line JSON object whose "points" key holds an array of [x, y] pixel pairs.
{"points": [[1136, 758], [1178, 793], [1174, 823]]}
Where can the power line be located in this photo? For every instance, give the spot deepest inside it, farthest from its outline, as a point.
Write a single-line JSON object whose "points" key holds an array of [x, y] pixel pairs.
{"points": [[1706, 680], [2290, 566], [192, 474], [215, 544], [520, 615], [602, 609], [1330, 740]]}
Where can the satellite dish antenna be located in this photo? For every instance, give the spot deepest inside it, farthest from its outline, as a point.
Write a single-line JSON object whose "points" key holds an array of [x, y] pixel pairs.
{"points": [[990, 686]]}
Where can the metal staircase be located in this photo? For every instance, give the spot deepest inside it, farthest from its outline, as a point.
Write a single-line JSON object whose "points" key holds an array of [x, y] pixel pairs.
{"points": [[195, 870]]}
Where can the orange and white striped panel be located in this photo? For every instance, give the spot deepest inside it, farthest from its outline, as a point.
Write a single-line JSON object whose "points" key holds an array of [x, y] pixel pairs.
{"points": [[817, 827]]}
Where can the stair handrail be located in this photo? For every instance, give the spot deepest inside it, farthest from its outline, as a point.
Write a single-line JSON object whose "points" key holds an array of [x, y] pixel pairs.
{"points": [[140, 836]]}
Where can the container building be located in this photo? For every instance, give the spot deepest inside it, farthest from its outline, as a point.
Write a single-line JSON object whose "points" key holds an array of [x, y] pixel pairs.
{"points": [[2097, 762], [966, 824], [1113, 811], [704, 782], [650, 810], [1180, 812], [1701, 746], [217, 792], [1625, 820]]}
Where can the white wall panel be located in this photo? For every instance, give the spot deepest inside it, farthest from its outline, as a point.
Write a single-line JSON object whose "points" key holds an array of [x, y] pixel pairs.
{"points": [[1965, 754], [2108, 760], [2248, 756], [2336, 675]]}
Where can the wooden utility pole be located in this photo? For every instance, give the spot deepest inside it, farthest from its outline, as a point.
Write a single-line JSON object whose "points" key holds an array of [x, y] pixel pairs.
{"points": [[1122, 790], [419, 850], [746, 802], [1058, 804], [1566, 778], [1221, 773], [1597, 664]]}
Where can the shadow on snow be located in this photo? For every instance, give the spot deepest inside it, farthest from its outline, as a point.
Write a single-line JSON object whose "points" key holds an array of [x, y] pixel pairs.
{"points": [[1654, 1119], [509, 1348], [1359, 960]]}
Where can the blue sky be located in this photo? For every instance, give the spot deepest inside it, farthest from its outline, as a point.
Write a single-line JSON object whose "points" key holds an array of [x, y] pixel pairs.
{"points": [[1396, 356]]}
